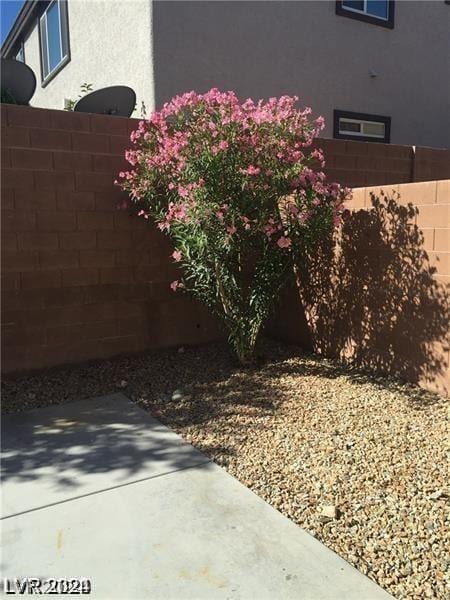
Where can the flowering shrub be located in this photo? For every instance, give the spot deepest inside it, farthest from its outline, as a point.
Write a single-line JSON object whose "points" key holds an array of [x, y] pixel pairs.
{"points": [[235, 187]]}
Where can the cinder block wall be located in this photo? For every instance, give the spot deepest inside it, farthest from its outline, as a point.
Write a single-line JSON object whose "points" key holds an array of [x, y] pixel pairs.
{"points": [[379, 298], [432, 199], [82, 280]]}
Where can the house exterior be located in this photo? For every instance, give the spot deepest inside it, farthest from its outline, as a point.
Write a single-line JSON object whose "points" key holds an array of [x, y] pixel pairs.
{"points": [[377, 70], [71, 42]]}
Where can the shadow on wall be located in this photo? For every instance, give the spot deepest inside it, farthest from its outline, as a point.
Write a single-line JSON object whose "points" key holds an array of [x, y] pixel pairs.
{"points": [[371, 297]]}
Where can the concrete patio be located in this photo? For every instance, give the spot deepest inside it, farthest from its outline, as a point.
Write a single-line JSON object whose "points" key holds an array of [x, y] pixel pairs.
{"points": [[99, 489]]}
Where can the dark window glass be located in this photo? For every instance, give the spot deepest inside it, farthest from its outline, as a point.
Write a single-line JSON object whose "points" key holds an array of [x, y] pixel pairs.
{"points": [[355, 4], [54, 36], [349, 126], [378, 8]]}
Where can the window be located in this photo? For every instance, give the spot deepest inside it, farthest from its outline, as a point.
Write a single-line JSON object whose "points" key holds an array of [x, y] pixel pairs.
{"points": [[359, 126], [377, 12], [54, 39], [20, 54]]}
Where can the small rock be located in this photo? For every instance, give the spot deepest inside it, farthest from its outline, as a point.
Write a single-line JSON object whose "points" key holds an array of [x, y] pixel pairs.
{"points": [[178, 395], [122, 384], [406, 570], [328, 513], [181, 350], [163, 398], [437, 494], [32, 396]]}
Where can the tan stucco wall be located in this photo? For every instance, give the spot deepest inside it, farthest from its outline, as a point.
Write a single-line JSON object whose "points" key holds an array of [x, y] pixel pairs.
{"points": [[262, 49], [304, 48], [110, 44]]}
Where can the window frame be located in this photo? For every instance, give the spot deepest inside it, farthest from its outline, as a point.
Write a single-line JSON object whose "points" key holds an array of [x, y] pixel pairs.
{"points": [[345, 114], [64, 40], [353, 13]]}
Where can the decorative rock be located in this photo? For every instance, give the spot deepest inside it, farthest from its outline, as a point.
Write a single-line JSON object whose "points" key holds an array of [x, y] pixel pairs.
{"points": [[181, 350], [328, 513], [178, 395], [437, 494], [122, 384]]}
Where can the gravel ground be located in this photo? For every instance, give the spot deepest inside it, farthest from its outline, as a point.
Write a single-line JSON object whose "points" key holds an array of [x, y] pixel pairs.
{"points": [[358, 461]]}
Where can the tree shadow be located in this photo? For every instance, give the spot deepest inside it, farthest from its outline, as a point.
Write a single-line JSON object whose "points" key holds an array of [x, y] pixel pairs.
{"points": [[371, 297], [80, 448], [74, 446]]}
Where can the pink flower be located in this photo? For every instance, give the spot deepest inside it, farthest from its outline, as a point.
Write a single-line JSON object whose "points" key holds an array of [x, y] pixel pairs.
{"points": [[251, 170], [284, 242], [320, 122], [176, 255], [175, 285], [231, 230], [219, 215], [269, 229], [223, 145]]}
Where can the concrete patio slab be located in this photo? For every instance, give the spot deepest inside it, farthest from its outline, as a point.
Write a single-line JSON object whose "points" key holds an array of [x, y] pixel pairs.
{"points": [[191, 533], [62, 452]]}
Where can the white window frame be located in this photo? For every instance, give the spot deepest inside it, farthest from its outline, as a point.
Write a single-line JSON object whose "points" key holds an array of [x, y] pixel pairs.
{"points": [[362, 133], [47, 73], [365, 12], [340, 115]]}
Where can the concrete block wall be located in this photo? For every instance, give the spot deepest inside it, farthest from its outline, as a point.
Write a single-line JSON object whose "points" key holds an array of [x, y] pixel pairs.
{"points": [[380, 297], [82, 280], [358, 164], [432, 199]]}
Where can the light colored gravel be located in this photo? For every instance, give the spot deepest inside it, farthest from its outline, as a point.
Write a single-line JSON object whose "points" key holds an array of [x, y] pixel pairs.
{"points": [[360, 462]]}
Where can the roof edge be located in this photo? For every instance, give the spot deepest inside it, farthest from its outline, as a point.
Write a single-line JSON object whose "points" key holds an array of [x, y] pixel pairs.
{"points": [[19, 25]]}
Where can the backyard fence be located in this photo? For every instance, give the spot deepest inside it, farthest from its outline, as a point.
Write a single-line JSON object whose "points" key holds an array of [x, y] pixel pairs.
{"points": [[82, 280]]}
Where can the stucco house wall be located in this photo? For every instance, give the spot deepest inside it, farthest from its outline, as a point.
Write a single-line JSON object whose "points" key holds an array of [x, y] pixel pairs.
{"points": [[110, 44], [264, 49]]}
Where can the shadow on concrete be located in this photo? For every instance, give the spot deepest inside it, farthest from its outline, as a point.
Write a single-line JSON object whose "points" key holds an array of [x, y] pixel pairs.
{"points": [[108, 436]]}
